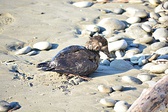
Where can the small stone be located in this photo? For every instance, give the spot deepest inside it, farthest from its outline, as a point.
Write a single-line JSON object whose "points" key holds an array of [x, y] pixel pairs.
{"points": [[119, 54], [146, 27], [161, 34], [158, 68], [24, 50], [141, 14], [145, 39], [163, 19], [121, 106], [93, 28], [83, 4], [162, 51], [154, 2], [166, 72], [133, 20], [135, 1], [4, 106], [154, 15], [125, 66], [118, 10], [104, 89], [115, 38], [42, 45], [32, 53], [130, 11], [144, 77], [150, 83], [157, 45], [108, 102], [117, 45], [131, 79], [105, 62], [117, 88], [148, 66]]}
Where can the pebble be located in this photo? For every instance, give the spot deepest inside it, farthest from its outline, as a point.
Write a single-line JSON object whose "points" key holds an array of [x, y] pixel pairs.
{"points": [[125, 66], [145, 39], [115, 38], [117, 45], [154, 15], [133, 20], [162, 51], [119, 54], [118, 10], [144, 77], [121, 106], [133, 50], [104, 89], [154, 2], [141, 14], [157, 45], [42, 45], [131, 79], [136, 1], [83, 4], [31, 53], [161, 34], [158, 68], [166, 72], [111, 24], [108, 102], [135, 59], [24, 50], [105, 62], [130, 11], [4, 106], [165, 5], [163, 19], [150, 83], [146, 27], [93, 28], [135, 31], [147, 66], [117, 88]]}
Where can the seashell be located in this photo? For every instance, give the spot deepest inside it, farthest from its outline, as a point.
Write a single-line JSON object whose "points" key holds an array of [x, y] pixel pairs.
{"points": [[117, 45], [104, 89], [108, 102], [83, 4], [144, 77], [24, 50], [159, 68], [42, 45], [131, 79], [133, 20], [121, 106], [117, 88], [146, 27], [161, 34]]}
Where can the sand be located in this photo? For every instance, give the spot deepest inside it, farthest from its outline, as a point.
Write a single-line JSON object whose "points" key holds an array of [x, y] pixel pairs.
{"points": [[26, 22]]}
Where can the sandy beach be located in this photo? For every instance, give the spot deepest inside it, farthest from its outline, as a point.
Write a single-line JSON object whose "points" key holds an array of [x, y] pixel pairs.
{"points": [[26, 22]]}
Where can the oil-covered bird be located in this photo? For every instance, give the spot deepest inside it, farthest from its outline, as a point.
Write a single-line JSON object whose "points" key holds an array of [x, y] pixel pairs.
{"points": [[78, 60]]}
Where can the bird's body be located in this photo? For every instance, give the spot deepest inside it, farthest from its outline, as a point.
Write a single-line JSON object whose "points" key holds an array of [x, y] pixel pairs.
{"points": [[78, 60]]}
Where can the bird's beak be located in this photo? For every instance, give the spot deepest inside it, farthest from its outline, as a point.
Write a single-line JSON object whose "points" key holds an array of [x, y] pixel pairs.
{"points": [[105, 50]]}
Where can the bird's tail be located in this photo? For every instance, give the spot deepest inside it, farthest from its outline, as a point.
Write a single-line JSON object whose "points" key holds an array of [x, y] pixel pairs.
{"points": [[44, 66]]}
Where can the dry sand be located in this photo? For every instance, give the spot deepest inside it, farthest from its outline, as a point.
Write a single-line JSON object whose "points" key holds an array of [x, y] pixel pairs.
{"points": [[58, 22]]}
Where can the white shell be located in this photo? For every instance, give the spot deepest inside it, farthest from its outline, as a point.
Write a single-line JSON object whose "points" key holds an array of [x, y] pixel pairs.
{"points": [[107, 102], [104, 89], [42, 45], [83, 4], [24, 50]]}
